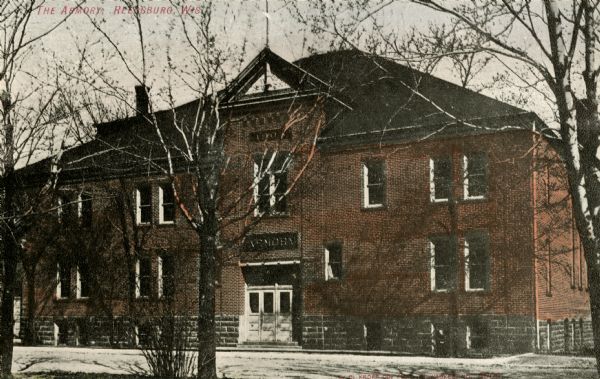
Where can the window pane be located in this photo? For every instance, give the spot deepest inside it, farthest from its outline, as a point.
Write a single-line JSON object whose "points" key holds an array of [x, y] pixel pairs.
{"points": [[168, 212], [253, 302], [84, 280], [264, 194], [168, 196], [476, 174], [442, 175], [168, 275], [86, 210], [280, 188], [65, 280], [335, 259], [477, 262], [376, 194], [375, 172], [285, 302], [445, 263], [146, 214], [145, 273], [268, 302], [145, 195]]}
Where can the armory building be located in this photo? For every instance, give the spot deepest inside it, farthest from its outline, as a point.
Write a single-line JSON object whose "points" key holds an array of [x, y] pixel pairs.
{"points": [[428, 219]]}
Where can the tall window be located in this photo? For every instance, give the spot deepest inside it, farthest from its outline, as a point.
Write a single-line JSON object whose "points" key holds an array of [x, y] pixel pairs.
{"points": [[440, 179], [270, 183], [475, 175], [333, 261], [63, 281], [143, 199], [477, 335], [84, 209], [166, 276], [476, 262], [167, 204], [143, 272], [443, 263], [83, 280], [373, 184]]}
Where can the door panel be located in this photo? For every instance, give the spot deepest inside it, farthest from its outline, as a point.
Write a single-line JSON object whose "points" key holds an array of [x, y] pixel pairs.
{"points": [[269, 314]]}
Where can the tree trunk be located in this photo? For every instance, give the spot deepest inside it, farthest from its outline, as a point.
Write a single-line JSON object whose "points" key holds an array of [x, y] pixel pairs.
{"points": [[207, 368], [10, 277], [29, 333]]}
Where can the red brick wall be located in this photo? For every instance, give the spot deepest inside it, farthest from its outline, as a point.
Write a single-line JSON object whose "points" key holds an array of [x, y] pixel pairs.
{"points": [[562, 291]]}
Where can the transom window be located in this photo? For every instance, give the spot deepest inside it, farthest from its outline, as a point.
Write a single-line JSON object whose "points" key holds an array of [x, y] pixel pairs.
{"points": [[440, 179], [143, 200], [475, 175], [373, 183], [443, 263], [271, 183]]}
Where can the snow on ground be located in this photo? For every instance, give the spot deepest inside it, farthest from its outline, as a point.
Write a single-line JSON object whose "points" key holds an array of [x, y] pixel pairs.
{"points": [[244, 364]]}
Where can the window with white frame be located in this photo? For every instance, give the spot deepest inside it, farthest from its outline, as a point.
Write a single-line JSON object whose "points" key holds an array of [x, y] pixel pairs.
{"points": [[333, 261], [271, 183], [143, 200], [166, 276], [477, 335], [440, 179], [143, 273], [63, 280], [84, 209], [83, 280], [373, 179], [474, 175], [476, 262], [166, 199], [443, 263]]}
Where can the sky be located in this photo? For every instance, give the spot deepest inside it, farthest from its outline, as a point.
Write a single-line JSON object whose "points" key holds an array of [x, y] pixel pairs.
{"points": [[237, 22]]}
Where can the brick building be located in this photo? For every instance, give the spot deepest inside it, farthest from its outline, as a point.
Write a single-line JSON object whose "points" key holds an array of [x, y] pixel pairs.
{"points": [[430, 219]]}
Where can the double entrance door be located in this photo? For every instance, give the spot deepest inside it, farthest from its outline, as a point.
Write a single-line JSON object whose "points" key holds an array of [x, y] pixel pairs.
{"points": [[269, 313]]}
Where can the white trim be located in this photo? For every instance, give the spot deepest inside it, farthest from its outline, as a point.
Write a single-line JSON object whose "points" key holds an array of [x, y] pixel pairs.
{"points": [[468, 337], [138, 281], [432, 266], [365, 186], [161, 211], [466, 196], [138, 210], [56, 332], [160, 277], [268, 263], [467, 270], [432, 197], [58, 283], [79, 206], [78, 291], [327, 268]]}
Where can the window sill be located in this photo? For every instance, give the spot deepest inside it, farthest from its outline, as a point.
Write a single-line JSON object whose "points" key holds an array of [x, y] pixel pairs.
{"points": [[273, 215], [442, 290], [82, 298], [166, 224], [439, 201], [369, 208], [477, 290], [475, 199]]}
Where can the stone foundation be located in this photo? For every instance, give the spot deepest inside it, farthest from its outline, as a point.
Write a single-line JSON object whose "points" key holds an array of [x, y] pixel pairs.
{"points": [[120, 331], [566, 336], [435, 335]]}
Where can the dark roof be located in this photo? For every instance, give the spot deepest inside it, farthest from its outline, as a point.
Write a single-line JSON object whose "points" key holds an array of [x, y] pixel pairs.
{"points": [[371, 99], [393, 100]]}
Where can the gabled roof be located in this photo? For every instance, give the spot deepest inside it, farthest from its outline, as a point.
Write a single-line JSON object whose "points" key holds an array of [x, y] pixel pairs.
{"points": [[393, 101]]}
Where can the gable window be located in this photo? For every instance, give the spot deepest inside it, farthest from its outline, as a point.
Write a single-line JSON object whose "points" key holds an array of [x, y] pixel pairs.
{"points": [[166, 199], [373, 184], [440, 179], [475, 175], [84, 209], [63, 281], [143, 200], [271, 183], [333, 261], [143, 272], [476, 262], [443, 264], [166, 276], [83, 280]]}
